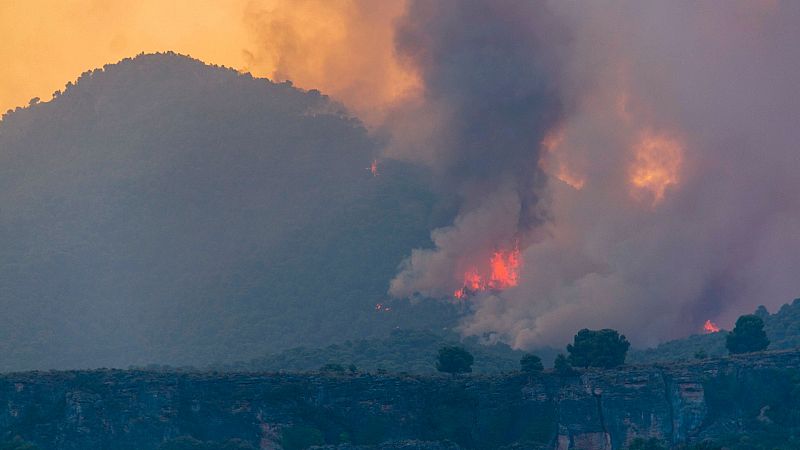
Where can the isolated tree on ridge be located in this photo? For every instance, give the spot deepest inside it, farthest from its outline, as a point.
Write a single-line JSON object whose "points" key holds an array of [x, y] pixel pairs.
{"points": [[747, 336], [598, 348]]}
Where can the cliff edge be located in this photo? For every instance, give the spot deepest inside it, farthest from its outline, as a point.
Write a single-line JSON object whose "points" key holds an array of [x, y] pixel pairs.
{"points": [[677, 405]]}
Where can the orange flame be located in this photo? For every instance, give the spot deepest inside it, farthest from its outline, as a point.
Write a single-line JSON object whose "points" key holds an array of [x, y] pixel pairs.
{"points": [[656, 166], [373, 168], [505, 269], [710, 327], [503, 273]]}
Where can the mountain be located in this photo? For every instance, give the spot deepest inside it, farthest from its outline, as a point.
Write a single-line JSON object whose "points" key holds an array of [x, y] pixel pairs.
{"points": [[161, 210], [782, 328]]}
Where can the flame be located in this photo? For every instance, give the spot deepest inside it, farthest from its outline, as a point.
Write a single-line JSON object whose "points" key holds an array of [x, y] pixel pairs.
{"points": [[373, 168], [505, 269], [503, 273], [710, 327], [380, 307], [473, 282], [656, 166]]}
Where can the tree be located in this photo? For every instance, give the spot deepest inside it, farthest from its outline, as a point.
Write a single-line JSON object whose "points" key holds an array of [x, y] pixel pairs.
{"points": [[747, 336], [598, 348], [454, 359], [531, 364], [562, 366]]}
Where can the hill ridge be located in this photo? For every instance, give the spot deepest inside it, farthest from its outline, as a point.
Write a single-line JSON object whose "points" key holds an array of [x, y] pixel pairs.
{"points": [[161, 210]]}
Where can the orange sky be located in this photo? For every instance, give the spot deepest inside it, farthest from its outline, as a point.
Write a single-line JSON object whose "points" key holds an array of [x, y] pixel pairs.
{"points": [[343, 47]]}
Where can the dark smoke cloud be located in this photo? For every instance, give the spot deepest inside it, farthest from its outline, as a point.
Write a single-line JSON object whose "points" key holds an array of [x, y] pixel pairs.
{"points": [[491, 74], [492, 67], [714, 94]]}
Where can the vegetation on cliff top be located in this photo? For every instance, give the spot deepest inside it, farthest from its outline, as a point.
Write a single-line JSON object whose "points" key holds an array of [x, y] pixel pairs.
{"points": [[412, 351], [782, 329]]}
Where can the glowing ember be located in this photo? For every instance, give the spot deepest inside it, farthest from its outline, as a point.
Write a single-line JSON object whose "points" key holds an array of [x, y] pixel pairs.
{"points": [[373, 168], [710, 327], [656, 165], [503, 273]]}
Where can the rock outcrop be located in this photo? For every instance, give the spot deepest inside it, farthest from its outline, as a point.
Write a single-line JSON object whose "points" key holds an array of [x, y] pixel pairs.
{"points": [[598, 409]]}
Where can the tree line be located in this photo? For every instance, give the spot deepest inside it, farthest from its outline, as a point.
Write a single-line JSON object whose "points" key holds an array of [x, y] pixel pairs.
{"points": [[604, 348]]}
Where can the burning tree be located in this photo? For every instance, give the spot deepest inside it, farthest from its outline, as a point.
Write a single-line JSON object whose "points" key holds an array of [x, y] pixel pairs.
{"points": [[502, 273]]}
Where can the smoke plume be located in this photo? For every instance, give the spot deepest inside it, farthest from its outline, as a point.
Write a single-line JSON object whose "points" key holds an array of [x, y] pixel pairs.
{"points": [[490, 71], [643, 156]]}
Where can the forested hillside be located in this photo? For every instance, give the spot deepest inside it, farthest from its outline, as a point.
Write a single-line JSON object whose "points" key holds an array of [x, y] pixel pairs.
{"points": [[782, 328], [403, 351], [161, 210]]}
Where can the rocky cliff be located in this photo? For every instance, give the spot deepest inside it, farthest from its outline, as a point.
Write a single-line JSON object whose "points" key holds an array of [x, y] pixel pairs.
{"points": [[678, 405]]}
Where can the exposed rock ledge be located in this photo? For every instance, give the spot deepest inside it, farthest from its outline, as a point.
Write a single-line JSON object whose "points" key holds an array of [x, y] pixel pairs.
{"points": [[596, 410]]}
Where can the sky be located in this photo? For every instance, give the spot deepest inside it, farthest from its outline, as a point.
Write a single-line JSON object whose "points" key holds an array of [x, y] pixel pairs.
{"points": [[639, 160], [343, 47]]}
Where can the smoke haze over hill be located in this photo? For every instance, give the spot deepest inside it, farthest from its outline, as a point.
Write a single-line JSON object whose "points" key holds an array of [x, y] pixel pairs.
{"points": [[162, 210]]}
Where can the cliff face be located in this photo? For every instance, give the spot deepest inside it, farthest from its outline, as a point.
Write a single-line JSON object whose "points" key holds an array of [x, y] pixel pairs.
{"points": [[679, 404]]}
